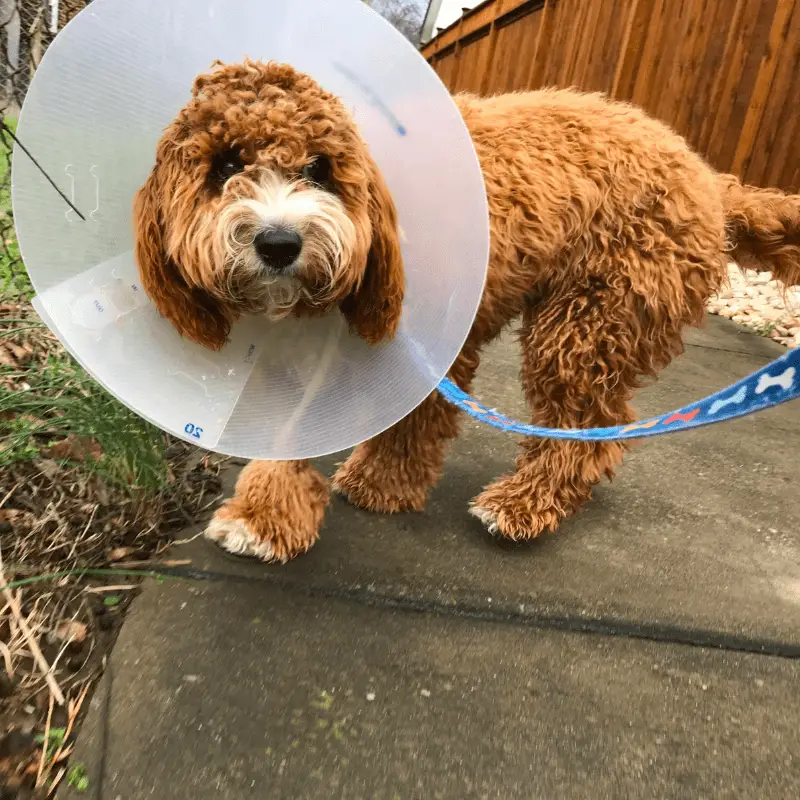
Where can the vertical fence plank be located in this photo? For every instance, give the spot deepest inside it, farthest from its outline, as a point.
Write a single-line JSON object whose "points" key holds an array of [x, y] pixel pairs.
{"points": [[735, 97], [698, 108], [575, 32], [457, 56], [783, 158], [606, 44], [493, 31], [706, 133], [630, 54], [678, 82], [763, 84], [539, 58], [586, 42], [652, 54], [765, 147]]}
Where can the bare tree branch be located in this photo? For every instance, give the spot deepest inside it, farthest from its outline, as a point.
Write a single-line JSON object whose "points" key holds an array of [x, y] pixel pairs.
{"points": [[406, 15]]}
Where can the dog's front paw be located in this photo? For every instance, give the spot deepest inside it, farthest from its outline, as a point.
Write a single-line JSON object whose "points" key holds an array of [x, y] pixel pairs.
{"points": [[507, 509], [261, 536], [275, 513], [237, 537]]}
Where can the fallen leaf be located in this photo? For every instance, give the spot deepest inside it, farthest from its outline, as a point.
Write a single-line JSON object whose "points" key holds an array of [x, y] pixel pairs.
{"points": [[49, 468], [70, 630], [20, 352], [112, 600], [6, 359], [75, 448], [118, 553]]}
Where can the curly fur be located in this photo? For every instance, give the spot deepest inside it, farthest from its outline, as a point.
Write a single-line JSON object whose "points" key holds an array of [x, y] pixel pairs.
{"points": [[275, 513], [194, 237], [608, 235]]}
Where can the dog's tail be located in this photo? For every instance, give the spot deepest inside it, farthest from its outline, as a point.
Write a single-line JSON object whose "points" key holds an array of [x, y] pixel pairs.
{"points": [[763, 228]]}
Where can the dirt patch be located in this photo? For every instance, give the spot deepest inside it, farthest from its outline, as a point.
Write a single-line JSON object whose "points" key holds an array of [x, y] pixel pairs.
{"points": [[56, 520]]}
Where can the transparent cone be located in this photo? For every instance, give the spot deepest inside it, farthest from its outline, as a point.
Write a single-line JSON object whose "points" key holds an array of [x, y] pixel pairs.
{"points": [[105, 90]]}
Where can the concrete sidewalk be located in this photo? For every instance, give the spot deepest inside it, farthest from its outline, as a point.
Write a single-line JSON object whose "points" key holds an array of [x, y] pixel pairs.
{"points": [[650, 649]]}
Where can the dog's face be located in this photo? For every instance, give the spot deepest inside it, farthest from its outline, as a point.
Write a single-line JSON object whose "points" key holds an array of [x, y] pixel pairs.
{"points": [[264, 200]]}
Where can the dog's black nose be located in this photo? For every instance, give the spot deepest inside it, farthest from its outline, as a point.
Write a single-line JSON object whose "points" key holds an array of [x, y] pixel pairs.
{"points": [[278, 248]]}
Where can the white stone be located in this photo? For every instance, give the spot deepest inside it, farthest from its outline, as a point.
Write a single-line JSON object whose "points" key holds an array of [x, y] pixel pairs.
{"points": [[761, 303], [771, 314]]}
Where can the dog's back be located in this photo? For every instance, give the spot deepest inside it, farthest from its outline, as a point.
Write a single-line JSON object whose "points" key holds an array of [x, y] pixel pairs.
{"points": [[586, 163]]}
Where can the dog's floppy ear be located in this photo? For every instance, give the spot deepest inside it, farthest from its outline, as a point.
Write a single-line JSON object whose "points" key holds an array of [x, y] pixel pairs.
{"points": [[373, 309], [193, 312]]}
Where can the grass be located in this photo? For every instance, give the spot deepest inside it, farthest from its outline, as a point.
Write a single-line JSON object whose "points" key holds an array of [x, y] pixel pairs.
{"points": [[13, 280], [77, 778], [48, 398], [45, 396]]}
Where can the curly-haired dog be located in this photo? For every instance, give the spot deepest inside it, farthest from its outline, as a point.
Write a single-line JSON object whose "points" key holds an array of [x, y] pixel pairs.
{"points": [[608, 236]]}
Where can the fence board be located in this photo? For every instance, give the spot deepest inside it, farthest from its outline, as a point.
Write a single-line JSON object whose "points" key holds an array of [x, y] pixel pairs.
{"points": [[544, 19], [652, 52], [605, 43], [783, 168], [765, 145], [680, 75], [474, 62], [511, 67], [699, 108], [724, 73], [563, 14], [631, 48], [763, 83]]}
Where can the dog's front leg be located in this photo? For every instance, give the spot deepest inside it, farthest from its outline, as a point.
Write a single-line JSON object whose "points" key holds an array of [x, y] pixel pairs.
{"points": [[275, 513]]}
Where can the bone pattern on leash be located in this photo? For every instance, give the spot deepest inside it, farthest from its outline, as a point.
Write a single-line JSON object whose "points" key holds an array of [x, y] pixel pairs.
{"points": [[734, 399], [784, 380], [763, 389]]}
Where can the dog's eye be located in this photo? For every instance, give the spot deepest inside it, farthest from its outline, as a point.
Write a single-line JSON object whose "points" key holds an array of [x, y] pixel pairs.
{"points": [[318, 171], [225, 165]]}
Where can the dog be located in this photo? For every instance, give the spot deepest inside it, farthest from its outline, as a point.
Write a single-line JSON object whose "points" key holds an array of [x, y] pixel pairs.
{"points": [[608, 236]]}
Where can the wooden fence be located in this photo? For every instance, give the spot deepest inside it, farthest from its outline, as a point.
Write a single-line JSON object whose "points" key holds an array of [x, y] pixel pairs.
{"points": [[724, 73]]}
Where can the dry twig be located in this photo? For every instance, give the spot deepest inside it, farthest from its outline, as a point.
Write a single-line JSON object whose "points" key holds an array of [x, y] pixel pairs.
{"points": [[121, 587], [7, 658], [37, 654], [43, 757]]}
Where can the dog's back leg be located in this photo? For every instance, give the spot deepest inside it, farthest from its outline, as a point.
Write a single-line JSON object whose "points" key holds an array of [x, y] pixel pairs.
{"points": [[395, 470], [585, 351]]}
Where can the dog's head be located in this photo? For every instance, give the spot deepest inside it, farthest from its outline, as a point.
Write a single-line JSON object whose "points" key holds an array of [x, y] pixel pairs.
{"points": [[264, 200]]}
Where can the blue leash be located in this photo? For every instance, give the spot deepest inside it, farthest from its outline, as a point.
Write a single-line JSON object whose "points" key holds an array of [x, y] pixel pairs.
{"points": [[776, 383]]}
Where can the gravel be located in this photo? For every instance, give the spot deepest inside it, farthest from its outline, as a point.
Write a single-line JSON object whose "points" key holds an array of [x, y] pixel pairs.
{"points": [[761, 304]]}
